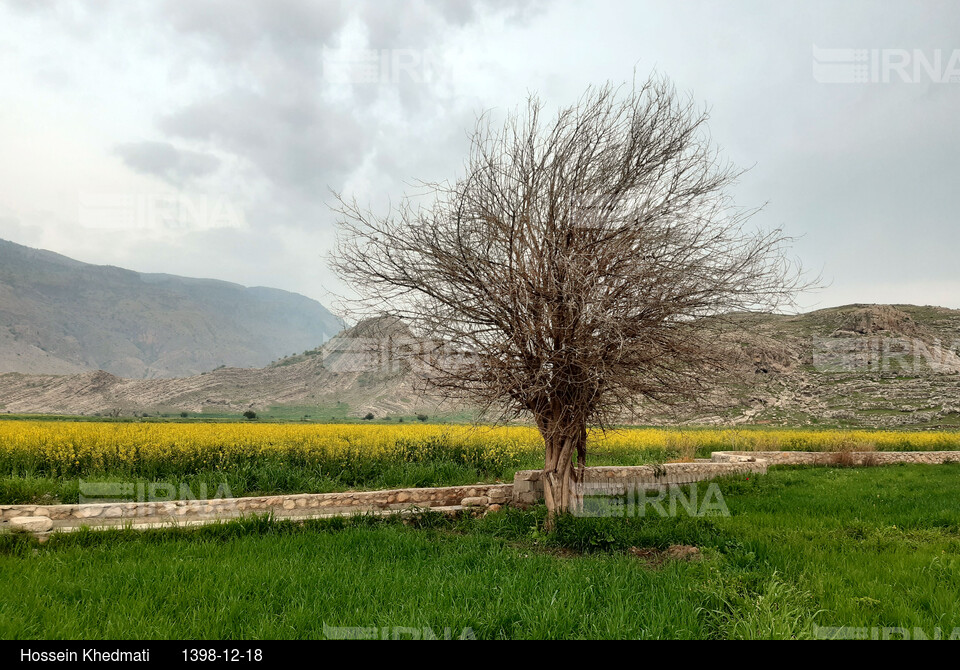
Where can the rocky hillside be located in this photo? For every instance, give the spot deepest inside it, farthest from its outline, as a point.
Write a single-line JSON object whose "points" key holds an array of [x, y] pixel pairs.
{"points": [[859, 365], [60, 316], [355, 369]]}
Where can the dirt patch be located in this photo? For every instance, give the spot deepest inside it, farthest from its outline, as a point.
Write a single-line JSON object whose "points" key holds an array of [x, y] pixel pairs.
{"points": [[657, 557], [847, 459]]}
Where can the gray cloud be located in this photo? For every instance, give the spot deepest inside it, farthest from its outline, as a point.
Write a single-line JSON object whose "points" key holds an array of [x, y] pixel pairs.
{"points": [[233, 93], [233, 28], [284, 120], [299, 143], [164, 160]]}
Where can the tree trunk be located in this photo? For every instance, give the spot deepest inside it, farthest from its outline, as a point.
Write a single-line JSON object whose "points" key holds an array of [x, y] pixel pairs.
{"points": [[562, 477]]}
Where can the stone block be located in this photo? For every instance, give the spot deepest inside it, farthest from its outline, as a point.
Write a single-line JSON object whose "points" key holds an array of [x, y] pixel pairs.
{"points": [[34, 524]]}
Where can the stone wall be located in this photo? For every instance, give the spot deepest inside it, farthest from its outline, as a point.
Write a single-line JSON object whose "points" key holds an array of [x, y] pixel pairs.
{"points": [[527, 489], [838, 457], [42, 518]]}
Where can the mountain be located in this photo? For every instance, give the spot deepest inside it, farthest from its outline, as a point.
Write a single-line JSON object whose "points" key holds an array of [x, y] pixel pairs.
{"points": [[854, 366], [61, 316], [352, 370]]}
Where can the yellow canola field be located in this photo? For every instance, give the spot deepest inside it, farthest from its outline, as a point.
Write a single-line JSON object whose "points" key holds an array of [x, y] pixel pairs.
{"points": [[66, 447]]}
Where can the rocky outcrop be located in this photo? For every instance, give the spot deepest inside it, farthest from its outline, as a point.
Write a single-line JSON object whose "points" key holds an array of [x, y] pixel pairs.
{"points": [[860, 365]]}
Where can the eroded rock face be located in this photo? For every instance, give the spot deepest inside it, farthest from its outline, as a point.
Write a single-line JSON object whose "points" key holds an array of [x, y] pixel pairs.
{"points": [[877, 319]]}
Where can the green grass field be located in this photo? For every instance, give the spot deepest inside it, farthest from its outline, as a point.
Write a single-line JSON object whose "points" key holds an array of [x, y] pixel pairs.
{"points": [[873, 547]]}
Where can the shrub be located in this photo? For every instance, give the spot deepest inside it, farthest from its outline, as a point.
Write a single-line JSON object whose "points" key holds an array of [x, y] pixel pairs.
{"points": [[250, 414]]}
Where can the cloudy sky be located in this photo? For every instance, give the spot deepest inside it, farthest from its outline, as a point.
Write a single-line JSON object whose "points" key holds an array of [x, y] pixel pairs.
{"points": [[202, 138]]}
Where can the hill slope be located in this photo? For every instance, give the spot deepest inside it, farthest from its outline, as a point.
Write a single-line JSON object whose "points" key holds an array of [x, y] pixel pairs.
{"points": [[859, 365], [344, 370], [61, 316]]}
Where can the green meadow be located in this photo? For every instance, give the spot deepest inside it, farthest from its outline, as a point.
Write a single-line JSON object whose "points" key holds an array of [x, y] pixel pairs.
{"points": [[803, 552]]}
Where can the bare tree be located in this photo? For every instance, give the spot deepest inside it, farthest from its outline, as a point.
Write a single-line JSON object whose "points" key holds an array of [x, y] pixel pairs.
{"points": [[585, 263]]}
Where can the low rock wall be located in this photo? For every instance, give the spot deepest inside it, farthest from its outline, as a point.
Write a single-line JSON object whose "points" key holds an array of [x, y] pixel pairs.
{"points": [[838, 457], [526, 490], [41, 518]]}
